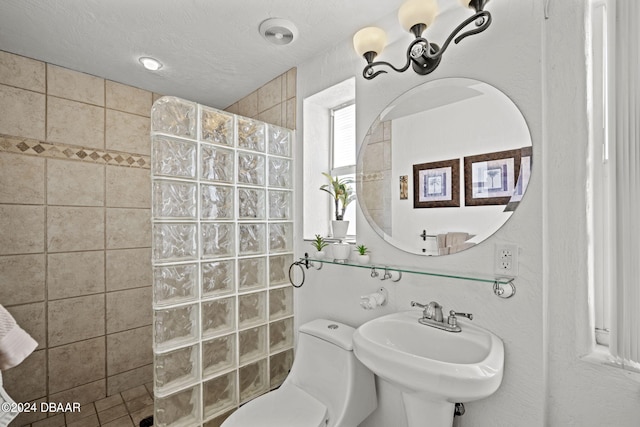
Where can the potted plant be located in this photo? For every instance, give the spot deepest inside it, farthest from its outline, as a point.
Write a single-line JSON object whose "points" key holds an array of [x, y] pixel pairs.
{"points": [[342, 193], [319, 244], [363, 254]]}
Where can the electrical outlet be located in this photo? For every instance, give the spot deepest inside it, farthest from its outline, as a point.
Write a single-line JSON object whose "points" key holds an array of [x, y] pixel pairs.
{"points": [[506, 260]]}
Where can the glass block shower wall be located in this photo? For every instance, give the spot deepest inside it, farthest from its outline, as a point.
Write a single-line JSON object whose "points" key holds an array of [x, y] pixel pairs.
{"points": [[222, 207]]}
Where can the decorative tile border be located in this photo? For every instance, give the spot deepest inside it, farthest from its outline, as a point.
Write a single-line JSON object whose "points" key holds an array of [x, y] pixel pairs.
{"points": [[34, 147]]}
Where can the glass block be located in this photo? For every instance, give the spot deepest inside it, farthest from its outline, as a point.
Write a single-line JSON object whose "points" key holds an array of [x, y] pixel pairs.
{"points": [[174, 284], [174, 242], [281, 334], [252, 344], [251, 203], [218, 278], [218, 354], [251, 134], [216, 163], [216, 202], [280, 205], [181, 409], [279, 269], [218, 240], [279, 367], [217, 126], [218, 317], [280, 141], [219, 394], [251, 273], [280, 173], [253, 380], [176, 369], [251, 239], [280, 303], [175, 326], [174, 116], [251, 168], [252, 309], [174, 200], [172, 157], [281, 237]]}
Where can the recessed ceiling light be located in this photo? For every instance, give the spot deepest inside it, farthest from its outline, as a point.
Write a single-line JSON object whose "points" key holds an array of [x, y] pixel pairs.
{"points": [[150, 63]]}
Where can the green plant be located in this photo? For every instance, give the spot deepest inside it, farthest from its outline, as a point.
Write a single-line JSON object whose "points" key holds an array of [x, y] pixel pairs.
{"points": [[362, 249], [319, 243], [341, 192]]}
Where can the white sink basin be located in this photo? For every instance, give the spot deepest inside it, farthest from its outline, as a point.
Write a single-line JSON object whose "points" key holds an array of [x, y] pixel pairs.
{"points": [[431, 364]]}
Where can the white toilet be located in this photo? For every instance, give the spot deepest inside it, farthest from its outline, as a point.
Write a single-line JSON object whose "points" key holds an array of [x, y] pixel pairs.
{"points": [[327, 385]]}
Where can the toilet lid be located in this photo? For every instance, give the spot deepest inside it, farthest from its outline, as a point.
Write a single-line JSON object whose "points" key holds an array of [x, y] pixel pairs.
{"points": [[288, 406]]}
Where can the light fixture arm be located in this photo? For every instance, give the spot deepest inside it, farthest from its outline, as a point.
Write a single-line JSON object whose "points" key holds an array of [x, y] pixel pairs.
{"points": [[424, 60]]}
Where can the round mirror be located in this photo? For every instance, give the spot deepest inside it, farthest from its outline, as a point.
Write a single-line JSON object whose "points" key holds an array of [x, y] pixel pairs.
{"points": [[444, 166]]}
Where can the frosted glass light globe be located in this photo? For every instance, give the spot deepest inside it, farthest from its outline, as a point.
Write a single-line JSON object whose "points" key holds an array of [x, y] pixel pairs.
{"points": [[369, 39], [414, 12]]}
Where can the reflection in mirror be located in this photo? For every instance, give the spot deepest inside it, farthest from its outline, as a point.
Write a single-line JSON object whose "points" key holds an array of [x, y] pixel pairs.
{"points": [[444, 166]]}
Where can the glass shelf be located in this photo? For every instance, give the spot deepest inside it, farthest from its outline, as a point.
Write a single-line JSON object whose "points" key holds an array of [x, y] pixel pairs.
{"points": [[448, 275]]}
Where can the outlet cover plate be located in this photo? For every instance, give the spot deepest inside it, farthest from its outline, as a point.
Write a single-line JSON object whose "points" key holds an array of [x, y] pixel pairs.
{"points": [[506, 260]]}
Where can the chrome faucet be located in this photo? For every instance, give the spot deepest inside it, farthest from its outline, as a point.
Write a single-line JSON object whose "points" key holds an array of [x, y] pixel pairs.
{"points": [[432, 316]]}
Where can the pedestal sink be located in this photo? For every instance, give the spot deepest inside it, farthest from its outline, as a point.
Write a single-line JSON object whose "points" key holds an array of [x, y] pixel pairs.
{"points": [[433, 368]]}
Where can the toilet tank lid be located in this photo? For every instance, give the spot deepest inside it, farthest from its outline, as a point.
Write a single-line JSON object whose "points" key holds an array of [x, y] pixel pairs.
{"points": [[334, 332]]}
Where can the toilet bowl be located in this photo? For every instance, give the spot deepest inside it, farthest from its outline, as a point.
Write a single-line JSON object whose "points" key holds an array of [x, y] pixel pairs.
{"points": [[326, 387]]}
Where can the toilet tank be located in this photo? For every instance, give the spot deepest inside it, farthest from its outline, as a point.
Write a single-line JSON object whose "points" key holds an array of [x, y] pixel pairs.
{"points": [[326, 368]]}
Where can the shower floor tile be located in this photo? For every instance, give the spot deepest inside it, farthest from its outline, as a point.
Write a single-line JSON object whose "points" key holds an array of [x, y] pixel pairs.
{"points": [[124, 409]]}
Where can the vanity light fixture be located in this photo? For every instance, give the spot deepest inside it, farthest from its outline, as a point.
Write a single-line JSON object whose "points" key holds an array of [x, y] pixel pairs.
{"points": [[150, 64], [416, 16]]}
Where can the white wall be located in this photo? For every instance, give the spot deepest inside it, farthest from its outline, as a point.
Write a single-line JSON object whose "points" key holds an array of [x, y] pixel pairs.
{"points": [[539, 64]]}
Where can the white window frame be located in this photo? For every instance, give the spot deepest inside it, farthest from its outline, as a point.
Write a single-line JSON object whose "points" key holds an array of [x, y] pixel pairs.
{"points": [[341, 171]]}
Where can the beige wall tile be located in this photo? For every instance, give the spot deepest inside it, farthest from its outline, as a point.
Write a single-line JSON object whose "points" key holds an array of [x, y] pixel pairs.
{"points": [[69, 84], [30, 317], [129, 350], [128, 228], [290, 122], [22, 229], [76, 364], [128, 132], [22, 113], [84, 394], [75, 319], [272, 116], [73, 183], [128, 268], [248, 106], [270, 94], [25, 73], [56, 420], [128, 309], [155, 97], [291, 84], [21, 179], [128, 187], [128, 98], [21, 279], [233, 108], [75, 123], [72, 274], [28, 380], [127, 380], [75, 229]]}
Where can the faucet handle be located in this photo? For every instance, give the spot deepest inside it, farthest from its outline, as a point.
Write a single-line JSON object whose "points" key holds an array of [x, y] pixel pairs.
{"points": [[452, 320]]}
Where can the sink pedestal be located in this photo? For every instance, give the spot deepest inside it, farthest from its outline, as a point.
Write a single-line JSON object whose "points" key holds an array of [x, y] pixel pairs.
{"points": [[423, 412]]}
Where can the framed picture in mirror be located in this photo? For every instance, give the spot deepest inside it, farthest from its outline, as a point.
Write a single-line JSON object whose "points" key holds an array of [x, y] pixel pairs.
{"points": [[436, 184], [490, 179]]}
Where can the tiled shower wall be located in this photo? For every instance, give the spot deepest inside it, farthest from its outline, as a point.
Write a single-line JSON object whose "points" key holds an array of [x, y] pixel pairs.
{"points": [[75, 232], [222, 244]]}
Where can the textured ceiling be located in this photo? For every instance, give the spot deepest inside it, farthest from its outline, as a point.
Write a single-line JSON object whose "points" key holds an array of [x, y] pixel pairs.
{"points": [[211, 49]]}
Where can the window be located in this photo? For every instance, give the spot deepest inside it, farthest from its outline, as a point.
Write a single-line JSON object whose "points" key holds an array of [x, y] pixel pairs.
{"points": [[343, 154], [615, 178], [323, 112]]}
